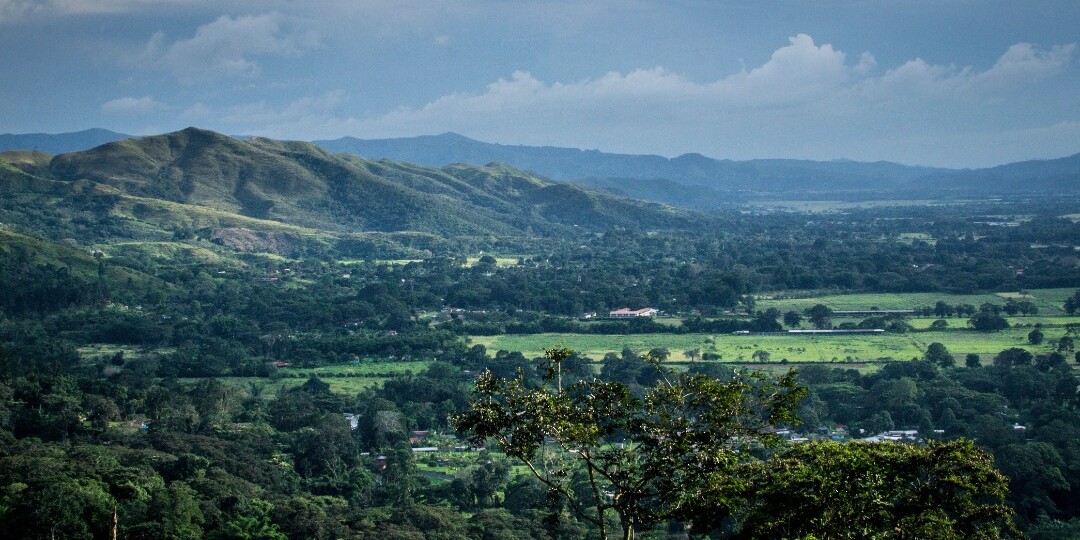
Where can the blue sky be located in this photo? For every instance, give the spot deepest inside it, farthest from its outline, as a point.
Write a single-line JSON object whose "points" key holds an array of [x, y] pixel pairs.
{"points": [[959, 83]]}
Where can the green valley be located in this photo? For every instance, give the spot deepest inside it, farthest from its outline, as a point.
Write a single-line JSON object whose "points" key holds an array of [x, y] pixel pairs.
{"points": [[265, 336]]}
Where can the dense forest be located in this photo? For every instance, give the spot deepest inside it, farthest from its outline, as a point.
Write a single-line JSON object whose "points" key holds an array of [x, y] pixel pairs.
{"points": [[172, 365]]}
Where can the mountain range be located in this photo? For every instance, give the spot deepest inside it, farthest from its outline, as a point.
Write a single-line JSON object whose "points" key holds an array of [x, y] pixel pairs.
{"points": [[286, 197], [59, 143], [697, 181], [690, 180]]}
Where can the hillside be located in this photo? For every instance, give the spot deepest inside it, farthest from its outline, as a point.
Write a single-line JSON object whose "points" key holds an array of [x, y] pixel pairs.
{"points": [[152, 188], [690, 180], [697, 181], [688, 169], [1056, 175]]}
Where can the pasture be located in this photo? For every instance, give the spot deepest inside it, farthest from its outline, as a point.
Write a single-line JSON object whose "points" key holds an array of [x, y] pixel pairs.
{"points": [[1049, 301], [795, 348]]}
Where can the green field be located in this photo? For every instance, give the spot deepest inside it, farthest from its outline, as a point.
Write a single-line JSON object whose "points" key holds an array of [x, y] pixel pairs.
{"points": [[269, 387], [1049, 322], [502, 261], [1049, 301], [348, 379], [360, 369], [740, 348]]}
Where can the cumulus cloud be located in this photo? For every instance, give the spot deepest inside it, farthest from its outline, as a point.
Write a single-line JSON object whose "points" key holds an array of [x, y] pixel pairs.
{"points": [[805, 92], [807, 100], [132, 106], [228, 47]]}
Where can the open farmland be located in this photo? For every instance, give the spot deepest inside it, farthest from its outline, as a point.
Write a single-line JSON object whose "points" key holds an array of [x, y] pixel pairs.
{"points": [[1049, 301], [268, 388], [800, 348]]}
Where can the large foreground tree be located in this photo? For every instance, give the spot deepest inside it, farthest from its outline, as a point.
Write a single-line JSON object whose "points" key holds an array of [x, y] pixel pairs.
{"points": [[697, 449], [860, 490], [644, 456]]}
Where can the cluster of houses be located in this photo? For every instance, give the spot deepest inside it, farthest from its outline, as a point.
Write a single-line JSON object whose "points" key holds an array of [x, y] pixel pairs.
{"points": [[840, 433]]}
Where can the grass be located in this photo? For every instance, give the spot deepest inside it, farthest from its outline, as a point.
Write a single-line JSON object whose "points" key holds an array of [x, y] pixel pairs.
{"points": [[95, 351], [161, 251], [740, 348], [270, 387], [348, 379], [361, 369], [912, 237], [1048, 322], [1049, 301], [501, 262]]}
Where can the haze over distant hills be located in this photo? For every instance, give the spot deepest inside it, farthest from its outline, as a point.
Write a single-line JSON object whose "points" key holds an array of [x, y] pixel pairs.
{"points": [[690, 180], [59, 143], [572, 163], [693, 178]]}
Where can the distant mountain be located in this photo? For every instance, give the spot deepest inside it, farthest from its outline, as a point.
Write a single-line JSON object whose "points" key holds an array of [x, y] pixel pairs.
{"points": [[295, 192], [59, 143], [691, 180], [713, 182], [688, 169], [1062, 174]]}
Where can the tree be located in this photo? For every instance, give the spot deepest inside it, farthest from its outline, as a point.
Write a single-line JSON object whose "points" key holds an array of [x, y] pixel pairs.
{"points": [[659, 353], [792, 319], [1065, 345], [692, 354], [1013, 356], [820, 316], [972, 360], [1035, 470], [1035, 337], [988, 321], [643, 457], [832, 490], [941, 309], [938, 354], [1072, 303]]}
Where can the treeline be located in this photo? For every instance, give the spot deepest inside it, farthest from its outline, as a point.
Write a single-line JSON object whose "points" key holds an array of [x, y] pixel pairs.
{"points": [[208, 459], [1020, 407]]}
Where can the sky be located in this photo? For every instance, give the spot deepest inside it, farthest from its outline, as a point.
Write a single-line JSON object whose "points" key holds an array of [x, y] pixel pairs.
{"points": [[953, 83]]}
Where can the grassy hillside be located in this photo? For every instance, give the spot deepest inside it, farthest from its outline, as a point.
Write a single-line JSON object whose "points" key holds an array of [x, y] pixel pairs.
{"points": [[194, 179]]}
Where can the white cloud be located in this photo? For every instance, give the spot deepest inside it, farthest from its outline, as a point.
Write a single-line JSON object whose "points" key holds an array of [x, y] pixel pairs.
{"points": [[804, 94], [14, 10], [133, 106], [228, 47], [1021, 65], [797, 72], [806, 101], [312, 116], [1023, 61]]}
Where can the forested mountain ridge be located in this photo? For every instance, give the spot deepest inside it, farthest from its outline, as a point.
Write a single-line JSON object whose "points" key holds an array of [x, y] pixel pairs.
{"points": [[588, 165], [690, 180], [636, 175], [195, 178]]}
